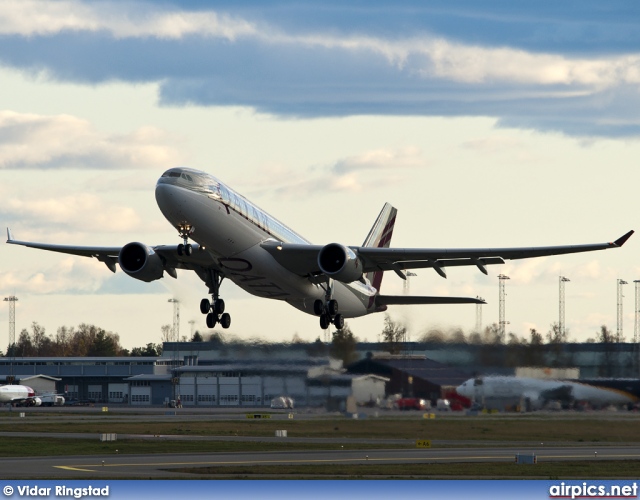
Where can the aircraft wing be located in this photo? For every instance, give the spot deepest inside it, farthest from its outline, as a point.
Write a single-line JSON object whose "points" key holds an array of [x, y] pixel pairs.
{"points": [[395, 259], [303, 259], [109, 255], [73, 250]]}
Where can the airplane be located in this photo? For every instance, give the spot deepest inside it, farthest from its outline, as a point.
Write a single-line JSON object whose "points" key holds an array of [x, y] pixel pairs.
{"points": [[19, 394], [234, 239], [536, 393]]}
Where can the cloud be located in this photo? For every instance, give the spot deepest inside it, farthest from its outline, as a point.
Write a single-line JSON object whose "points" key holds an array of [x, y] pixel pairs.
{"points": [[40, 18], [381, 159], [493, 144], [63, 141], [69, 274], [542, 271], [357, 61], [74, 275], [370, 170], [85, 212]]}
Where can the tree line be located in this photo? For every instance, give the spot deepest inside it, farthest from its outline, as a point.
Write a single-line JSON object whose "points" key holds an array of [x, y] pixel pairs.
{"points": [[90, 340], [84, 341], [492, 347]]}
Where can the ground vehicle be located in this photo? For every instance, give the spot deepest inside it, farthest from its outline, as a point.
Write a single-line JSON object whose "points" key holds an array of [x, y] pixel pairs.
{"points": [[412, 404], [52, 400], [282, 402], [443, 405]]}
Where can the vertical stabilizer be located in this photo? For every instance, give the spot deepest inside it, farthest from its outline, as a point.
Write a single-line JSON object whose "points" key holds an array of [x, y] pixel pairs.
{"points": [[379, 237]]}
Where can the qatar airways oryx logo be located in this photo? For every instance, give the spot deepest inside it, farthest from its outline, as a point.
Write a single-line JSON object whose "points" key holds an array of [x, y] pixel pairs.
{"points": [[586, 490]]}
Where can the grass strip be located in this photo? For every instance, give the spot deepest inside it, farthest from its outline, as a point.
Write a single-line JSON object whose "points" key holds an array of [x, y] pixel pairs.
{"points": [[595, 430], [546, 470]]}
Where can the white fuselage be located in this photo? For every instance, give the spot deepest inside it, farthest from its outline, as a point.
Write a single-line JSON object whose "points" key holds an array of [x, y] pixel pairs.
{"points": [[539, 391], [10, 393], [231, 229]]}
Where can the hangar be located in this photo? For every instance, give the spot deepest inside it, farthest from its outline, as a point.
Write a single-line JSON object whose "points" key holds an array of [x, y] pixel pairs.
{"points": [[412, 375]]}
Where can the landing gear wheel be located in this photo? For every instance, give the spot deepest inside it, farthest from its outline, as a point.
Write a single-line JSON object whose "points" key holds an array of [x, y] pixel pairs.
{"points": [[318, 308], [205, 306], [225, 320], [325, 321], [338, 321], [332, 307], [188, 250], [180, 249], [212, 319], [218, 306]]}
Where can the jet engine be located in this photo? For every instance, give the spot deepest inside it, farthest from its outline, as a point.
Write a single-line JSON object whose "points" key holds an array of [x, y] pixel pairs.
{"points": [[35, 401], [140, 262], [340, 263]]}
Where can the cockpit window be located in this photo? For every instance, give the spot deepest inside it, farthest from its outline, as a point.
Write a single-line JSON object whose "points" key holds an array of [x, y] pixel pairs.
{"points": [[187, 177]]}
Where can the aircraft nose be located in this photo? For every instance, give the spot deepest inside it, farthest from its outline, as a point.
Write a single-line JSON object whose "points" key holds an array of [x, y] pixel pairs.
{"points": [[163, 194]]}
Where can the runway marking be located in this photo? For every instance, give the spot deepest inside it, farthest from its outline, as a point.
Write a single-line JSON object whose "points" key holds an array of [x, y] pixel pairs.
{"points": [[337, 460], [318, 460], [71, 468]]}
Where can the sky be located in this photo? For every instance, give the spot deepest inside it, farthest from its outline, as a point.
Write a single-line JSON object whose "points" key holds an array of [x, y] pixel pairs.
{"points": [[487, 124]]}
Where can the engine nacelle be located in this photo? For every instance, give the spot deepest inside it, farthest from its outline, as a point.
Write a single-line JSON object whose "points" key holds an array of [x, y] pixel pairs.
{"points": [[35, 401], [140, 262], [340, 263]]}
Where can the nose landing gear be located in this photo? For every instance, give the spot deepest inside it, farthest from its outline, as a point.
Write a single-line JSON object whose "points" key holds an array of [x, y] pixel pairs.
{"points": [[184, 231]]}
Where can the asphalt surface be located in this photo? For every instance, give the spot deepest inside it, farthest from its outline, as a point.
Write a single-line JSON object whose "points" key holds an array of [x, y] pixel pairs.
{"points": [[174, 465], [168, 466]]}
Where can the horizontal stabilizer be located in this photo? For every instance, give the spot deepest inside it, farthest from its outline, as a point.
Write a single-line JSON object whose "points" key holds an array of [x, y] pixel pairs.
{"points": [[392, 300]]}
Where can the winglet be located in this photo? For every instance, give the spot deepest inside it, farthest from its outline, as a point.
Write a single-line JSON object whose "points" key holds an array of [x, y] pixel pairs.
{"points": [[9, 235], [621, 241]]}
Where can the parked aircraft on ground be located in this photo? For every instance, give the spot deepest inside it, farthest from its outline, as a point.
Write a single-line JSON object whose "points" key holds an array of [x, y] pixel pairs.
{"points": [[19, 394], [536, 393], [235, 239]]}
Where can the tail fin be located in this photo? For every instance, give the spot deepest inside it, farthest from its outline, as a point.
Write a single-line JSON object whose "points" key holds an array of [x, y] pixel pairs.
{"points": [[379, 237]]}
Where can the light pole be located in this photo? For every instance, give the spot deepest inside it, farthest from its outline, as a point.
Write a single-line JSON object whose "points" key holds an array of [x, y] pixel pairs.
{"points": [[619, 332], [12, 332], [561, 328], [501, 296], [175, 334], [479, 315]]}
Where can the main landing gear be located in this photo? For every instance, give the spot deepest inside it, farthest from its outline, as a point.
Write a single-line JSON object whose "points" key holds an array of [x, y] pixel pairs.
{"points": [[184, 231], [214, 309], [328, 310]]}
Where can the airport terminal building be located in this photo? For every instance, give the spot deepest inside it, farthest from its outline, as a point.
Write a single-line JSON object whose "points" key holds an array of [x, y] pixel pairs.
{"points": [[209, 374], [197, 374]]}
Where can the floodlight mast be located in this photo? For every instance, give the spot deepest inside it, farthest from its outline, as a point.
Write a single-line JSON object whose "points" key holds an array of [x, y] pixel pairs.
{"points": [[501, 295], [479, 315], [619, 331], [175, 334], [12, 331], [561, 317]]}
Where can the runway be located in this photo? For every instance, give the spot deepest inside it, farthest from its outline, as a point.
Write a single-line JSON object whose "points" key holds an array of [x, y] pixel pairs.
{"points": [[168, 465], [387, 448]]}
